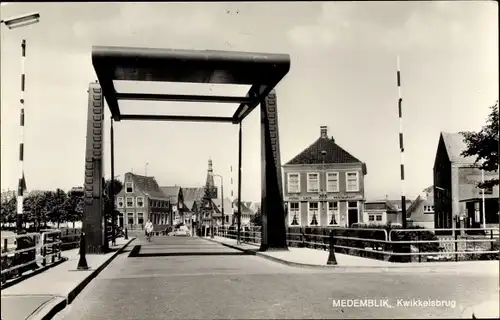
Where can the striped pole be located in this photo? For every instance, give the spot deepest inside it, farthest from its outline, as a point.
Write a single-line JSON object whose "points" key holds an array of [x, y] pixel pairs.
{"points": [[22, 184], [401, 148]]}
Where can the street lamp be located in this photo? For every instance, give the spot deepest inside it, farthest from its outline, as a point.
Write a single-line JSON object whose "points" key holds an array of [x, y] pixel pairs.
{"points": [[222, 195], [13, 23]]}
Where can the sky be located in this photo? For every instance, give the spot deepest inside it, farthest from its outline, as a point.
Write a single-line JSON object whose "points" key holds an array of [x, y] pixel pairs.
{"points": [[342, 75]]}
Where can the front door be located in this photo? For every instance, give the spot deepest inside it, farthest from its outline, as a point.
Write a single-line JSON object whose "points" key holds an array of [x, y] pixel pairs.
{"points": [[352, 212]]}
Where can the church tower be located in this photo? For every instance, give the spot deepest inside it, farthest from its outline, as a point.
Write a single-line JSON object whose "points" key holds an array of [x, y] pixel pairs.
{"points": [[210, 180]]}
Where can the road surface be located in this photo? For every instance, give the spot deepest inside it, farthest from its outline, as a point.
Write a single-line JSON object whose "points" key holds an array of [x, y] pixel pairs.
{"points": [[192, 278]]}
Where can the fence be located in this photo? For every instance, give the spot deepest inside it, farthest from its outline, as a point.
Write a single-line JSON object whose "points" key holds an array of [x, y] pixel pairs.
{"points": [[396, 245]]}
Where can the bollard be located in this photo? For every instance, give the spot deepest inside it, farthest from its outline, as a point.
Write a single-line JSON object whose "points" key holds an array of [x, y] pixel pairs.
{"points": [[5, 245], [82, 262], [126, 233], [302, 238], [456, 246], [331, 257]]}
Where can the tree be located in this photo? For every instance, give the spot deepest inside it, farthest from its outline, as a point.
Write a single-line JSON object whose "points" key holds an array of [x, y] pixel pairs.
{"points": [[109, 200], [484, 146], [257, 218], [73, 207], [36, 206], [57, 207], [8, 206]]}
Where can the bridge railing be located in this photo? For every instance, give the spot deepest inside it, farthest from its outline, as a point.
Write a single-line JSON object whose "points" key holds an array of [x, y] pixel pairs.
{"points": [[397, 245], [26, 252]]}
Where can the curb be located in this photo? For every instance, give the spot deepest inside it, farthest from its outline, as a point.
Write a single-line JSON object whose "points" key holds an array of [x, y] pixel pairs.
{"points": [[331, 267], [34, 273], [53, 308]]}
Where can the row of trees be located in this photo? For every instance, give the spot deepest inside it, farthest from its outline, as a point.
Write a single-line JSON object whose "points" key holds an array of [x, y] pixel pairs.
{"points": [[56, 206]]}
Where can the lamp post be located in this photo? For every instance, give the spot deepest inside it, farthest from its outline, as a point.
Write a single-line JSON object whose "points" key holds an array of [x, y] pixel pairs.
{"points": [[13, 23], [222, 195]]}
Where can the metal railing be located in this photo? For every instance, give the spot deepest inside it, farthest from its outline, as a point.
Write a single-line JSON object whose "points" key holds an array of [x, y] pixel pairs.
{"points": [[394, 244], [25, 252]]}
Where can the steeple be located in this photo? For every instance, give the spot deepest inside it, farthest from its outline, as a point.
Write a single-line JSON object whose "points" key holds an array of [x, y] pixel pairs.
{"points": [[210, 178]]}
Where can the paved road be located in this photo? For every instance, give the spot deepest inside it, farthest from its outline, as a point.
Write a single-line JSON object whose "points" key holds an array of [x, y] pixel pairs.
{"points": [[191, 278]]}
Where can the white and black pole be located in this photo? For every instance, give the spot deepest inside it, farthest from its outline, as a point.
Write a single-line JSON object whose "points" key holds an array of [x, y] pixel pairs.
{"points": [[401, 148], [22, 183]]}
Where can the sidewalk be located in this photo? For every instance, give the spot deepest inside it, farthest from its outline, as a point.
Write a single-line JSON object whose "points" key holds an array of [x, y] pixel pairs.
{"points": [[304, 257], [47, 293]]}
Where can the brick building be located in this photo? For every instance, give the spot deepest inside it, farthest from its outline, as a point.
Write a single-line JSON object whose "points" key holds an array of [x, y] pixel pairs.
{"points": [[141, 199], [324, 185], [455, 187]]}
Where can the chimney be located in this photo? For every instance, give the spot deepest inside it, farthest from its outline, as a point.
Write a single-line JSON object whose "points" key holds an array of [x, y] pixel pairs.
{"points": [[324, 132]]}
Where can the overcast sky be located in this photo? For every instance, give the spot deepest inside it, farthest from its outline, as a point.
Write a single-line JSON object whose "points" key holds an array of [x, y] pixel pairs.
{"points": [[343, 75]]}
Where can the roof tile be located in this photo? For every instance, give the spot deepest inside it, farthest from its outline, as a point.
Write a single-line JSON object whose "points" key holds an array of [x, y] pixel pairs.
{"points": [[313, 154], [148, 185]]}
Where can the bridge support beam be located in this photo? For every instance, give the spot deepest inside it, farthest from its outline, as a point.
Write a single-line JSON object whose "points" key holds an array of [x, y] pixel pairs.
{"points": [[93, 217], [273, 212]]}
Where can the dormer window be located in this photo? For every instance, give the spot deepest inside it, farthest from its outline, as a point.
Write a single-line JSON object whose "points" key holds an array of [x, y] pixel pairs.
{"points": [[129, 187]]}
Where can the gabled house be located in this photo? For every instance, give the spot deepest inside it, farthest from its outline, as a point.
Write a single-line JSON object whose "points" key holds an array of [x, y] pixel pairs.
{"points": [[192, 198], [246, 213], [457, 198], [176, 198], [421, 211], [141, 199], [228, 211], [324, 185]]}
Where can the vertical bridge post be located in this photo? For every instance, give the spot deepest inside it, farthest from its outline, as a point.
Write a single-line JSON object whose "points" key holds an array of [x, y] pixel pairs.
{"points": [[93, 218], [273, 211]]}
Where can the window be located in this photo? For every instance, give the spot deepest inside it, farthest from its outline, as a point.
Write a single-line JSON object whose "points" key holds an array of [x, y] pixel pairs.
{"points": [[130, 202], [371, 217], [313, 182], [379, 217], [429, 209], [129, 187], [140, 217], [294, 214], [140, 202], [313, 214], [332, 182], [119, 202], [130, 217], [333, 214], [293, 183], [352, 182]]}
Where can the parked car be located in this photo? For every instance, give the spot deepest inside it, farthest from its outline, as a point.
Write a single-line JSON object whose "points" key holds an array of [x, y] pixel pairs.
{"points": [[182, 231]]}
